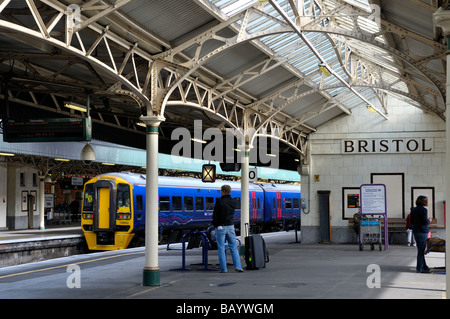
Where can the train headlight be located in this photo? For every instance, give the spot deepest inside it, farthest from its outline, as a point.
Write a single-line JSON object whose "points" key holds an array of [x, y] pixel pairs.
{"points": [[88, 216], [123, 216]]}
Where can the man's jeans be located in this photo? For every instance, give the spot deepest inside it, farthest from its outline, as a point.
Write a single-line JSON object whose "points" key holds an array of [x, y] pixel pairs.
{"points": [[228, 233]]}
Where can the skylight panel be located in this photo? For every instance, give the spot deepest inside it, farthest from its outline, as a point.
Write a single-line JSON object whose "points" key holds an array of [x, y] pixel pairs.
{"points": [[363, 4], [230, 8]]}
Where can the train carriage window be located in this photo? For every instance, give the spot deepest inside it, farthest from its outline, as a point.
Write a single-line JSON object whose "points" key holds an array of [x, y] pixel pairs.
{"points": [[88, 202], [288, 203], [139, 202], [164, 203], [296, 203], [188, 203], [199, 203], [177, 203], [209, 203], [123, 195]]}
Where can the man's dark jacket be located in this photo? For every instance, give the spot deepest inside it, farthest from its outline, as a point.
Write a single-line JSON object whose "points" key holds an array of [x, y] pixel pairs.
{"points": [[224, 211]]}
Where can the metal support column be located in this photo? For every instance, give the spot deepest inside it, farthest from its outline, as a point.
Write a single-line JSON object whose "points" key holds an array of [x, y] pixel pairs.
{"points": [[151, 276], [41, 202], [442, 20], [244, 193]]}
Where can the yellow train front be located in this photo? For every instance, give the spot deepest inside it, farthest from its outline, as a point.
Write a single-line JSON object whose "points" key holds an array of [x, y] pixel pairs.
{"points": [[108, 217]]}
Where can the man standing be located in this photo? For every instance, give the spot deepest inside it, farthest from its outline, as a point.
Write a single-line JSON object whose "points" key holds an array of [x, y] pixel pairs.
{"points": [[223, 222]]}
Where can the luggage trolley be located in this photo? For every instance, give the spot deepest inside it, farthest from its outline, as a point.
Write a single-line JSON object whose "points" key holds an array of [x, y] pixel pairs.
{"points": [[369, 232], [373, 210]]}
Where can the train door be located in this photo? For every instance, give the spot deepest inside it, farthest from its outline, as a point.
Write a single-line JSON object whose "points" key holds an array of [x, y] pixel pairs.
{"points": [[278, 207], [30, 209], [254, 207], [105, 206]]}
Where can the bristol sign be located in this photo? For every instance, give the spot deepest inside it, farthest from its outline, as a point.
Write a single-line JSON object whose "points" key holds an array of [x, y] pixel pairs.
{"points": [[380, 146]]}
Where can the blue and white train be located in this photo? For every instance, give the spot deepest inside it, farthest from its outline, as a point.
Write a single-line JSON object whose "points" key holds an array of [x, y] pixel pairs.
{"points": [[113, 210]]}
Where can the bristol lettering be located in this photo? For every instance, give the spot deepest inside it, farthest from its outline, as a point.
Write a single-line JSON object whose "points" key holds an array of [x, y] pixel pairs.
{"points": [[400, 145]]}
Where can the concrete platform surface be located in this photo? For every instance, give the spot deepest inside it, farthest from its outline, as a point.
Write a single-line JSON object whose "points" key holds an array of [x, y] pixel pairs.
{"points": [[295, 271], [52, 232]]}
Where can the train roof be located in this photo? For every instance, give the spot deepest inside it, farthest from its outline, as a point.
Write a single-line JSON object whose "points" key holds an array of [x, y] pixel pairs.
{"points": [[194, 182]]}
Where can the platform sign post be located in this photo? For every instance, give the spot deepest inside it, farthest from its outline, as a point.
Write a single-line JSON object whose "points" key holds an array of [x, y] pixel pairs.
{"points": [[373, 202]]}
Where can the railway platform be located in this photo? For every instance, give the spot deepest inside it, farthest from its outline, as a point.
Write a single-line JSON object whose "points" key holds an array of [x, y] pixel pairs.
{"points": [[31, 245], [295, 271]]}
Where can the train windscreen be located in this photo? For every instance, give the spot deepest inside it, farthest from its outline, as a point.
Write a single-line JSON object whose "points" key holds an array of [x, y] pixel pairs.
{"points": [[88, 202]]}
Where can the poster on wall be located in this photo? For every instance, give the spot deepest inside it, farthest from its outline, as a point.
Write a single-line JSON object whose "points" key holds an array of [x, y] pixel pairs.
{"points": [[373, 199], [24, 201], [350, 202]]}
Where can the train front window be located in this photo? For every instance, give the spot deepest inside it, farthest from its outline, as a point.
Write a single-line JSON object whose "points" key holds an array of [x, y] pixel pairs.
{"points": [[123, 195], [88, 201]]}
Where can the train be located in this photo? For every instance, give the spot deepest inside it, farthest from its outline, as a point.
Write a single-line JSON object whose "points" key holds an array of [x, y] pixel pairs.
{"points": [[113, 208]]}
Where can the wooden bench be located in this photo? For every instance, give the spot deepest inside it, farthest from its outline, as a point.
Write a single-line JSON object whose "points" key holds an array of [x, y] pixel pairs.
{"points": [[396, 225]]}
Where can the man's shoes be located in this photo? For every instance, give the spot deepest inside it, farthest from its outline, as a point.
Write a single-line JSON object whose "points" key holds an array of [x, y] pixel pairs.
{"points": [[239, 269]]}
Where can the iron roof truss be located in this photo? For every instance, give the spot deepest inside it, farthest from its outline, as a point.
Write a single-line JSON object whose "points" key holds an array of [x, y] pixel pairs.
{"points": [[102, 50]]}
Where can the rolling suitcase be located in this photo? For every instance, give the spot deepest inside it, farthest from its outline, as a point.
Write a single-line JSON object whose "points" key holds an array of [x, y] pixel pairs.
{"points": [[256, 254]]}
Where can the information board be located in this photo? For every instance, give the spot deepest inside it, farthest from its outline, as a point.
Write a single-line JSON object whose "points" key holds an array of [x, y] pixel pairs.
{"points": [[373, 199], [46, 130]]}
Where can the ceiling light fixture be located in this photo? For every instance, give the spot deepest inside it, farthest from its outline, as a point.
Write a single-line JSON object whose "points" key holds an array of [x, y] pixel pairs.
{"points": [[324, 68], [198, 140], [75, 106], [371, 109]]}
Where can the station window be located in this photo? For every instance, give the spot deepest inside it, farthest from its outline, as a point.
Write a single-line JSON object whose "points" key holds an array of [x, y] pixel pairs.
{"points": [[164, 203], [22, 179], [123, 195], [189, 203], [177, 203], [209, 203], [199, 203]]}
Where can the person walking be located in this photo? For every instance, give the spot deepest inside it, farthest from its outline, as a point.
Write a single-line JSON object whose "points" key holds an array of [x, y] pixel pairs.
{"points": [[223, 222], [420, 222]]}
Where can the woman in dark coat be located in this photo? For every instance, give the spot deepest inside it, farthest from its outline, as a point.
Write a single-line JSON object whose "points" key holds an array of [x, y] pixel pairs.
{"points": [[420, 222]]}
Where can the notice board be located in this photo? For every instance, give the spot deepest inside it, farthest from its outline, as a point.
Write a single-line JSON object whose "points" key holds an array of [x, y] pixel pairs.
{"points": [[373, 199]]}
